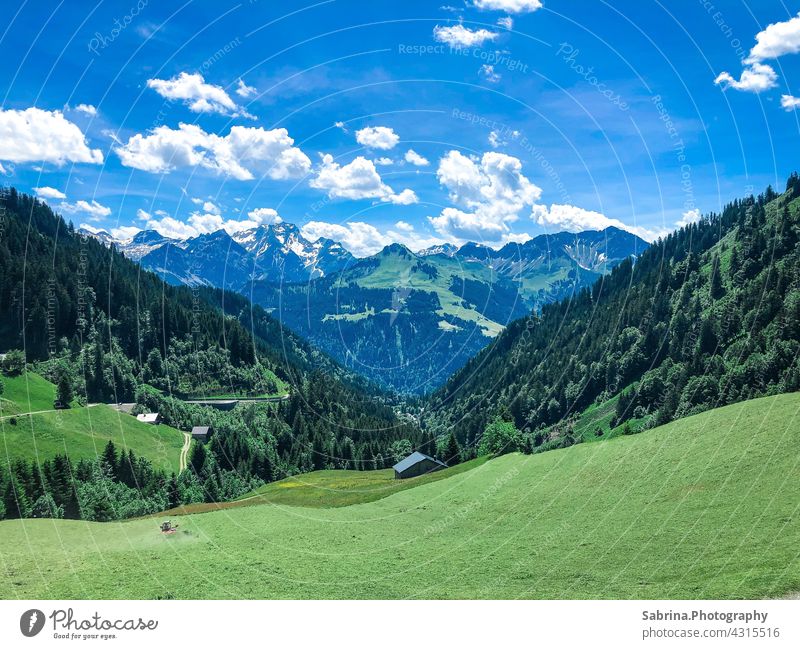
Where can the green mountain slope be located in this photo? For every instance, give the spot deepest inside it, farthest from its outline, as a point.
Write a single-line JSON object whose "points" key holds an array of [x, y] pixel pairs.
{"points": [[80, 432], [105, 331], [407, 321], [704, 507], [709, 315]]}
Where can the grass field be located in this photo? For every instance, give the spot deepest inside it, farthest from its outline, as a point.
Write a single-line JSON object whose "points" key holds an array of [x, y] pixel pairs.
{"points": [[80, 432], [330, 489], [27, 392], [705, 507]]}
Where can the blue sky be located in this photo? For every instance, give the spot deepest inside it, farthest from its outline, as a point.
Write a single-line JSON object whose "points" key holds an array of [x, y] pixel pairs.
{"points": [[521, 118]]}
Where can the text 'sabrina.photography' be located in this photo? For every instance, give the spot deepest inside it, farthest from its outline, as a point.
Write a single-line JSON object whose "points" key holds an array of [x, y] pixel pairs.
{"points": [[342, 323]]}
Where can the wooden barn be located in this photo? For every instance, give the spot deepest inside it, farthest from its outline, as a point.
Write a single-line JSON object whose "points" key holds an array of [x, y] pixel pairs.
{"points": [[201, 433], [416, 464]]}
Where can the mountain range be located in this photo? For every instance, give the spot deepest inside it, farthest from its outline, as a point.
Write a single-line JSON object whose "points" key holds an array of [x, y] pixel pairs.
{"points": [[406, 320]]}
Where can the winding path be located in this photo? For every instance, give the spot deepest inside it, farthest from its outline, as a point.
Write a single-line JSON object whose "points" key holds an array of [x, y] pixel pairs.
{"points": [[187, 441]]}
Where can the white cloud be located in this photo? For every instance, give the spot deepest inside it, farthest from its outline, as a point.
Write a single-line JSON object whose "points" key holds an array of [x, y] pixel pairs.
{"points": [[243, 90], [264, 216], [357, 180], [404, 227], [171, 227], [124, 232], [758, 77], [142, 215], [496, 140], [509, 6], [576, 219], [238, 154], [458, 36], [209, 207], [35, 135], [207, 222], [507, 22], [776, 40], [363, 239], [95, 210], [790, 103], [377, 137], [49, 192], [416, 159], [199, 96], [773, 42], [405, 197], [341, 125], [488, 73], [383, 162], [690, 216], [492, 190], [86, 108]]}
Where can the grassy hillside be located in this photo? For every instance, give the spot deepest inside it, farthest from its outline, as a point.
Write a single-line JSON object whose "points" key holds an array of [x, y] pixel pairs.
{"points": [[331, 489], [80, 432], [704, 507], [27, 392]]}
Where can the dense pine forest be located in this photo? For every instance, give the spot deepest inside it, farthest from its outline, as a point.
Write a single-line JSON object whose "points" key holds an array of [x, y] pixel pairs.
{"points": [[708, 316], [105, 331]]}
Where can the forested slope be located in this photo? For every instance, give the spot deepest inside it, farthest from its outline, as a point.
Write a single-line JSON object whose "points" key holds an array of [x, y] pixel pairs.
{"points": [[707, 316]]}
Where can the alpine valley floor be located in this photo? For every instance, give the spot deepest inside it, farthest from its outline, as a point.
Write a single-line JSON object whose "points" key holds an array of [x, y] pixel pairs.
{"points": [[704, 507]]}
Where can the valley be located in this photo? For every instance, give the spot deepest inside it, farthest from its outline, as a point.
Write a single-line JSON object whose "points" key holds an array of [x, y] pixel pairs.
{"points": [[655, 515]]}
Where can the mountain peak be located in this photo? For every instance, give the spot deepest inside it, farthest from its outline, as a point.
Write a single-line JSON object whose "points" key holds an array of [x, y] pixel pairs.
{"points": [[397, 249]]}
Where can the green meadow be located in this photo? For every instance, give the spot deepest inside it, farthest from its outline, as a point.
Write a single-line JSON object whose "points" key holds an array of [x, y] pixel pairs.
{"points": [[79, 432], [704, 507]]}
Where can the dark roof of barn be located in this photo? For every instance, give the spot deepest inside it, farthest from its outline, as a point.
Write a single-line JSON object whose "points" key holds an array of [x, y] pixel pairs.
{"points": [[415, 458]]}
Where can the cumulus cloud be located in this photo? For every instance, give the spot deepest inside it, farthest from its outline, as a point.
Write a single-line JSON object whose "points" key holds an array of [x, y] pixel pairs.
{"points": [[86, 108], [377, 137], [507, 22], [49, 192], [239, 154], [509, 6], [206, 222], [458, 36], [142, 215], [790, 103], [124, 232], [243, 90], [363, 239], [264, 216], [756, 78], [383, 162], [576, 219], [208, 206], [689, 217], [35, 135], [357, 180], [197, 95], [414, 158], [490, 192], [94, 210], [775, 41]]}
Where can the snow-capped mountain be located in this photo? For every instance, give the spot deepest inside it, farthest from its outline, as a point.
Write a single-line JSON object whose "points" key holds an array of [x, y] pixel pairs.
{"points": [[142, 243], [446, 249], [276, 253], [283, 253]]}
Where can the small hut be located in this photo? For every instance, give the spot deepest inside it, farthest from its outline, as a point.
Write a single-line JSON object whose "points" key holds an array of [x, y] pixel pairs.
{"points": [[149, 418], [416, 464], [201, 433]]}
